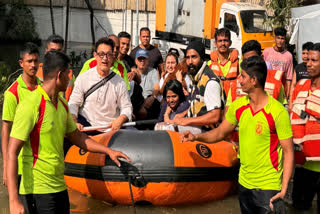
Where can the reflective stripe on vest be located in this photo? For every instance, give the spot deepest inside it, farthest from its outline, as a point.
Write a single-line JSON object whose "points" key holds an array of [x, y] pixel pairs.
{"points": [[272, 86], [273, 83], [69, 89], [306, 128], [229, 82], [313, 158], [313, 104]]}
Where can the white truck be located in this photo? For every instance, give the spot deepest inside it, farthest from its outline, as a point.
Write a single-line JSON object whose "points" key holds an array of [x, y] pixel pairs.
{"points": [[180, 21]]}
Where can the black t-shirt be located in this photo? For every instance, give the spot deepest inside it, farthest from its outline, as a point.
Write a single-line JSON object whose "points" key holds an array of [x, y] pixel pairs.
{"points": [[155, 57], [301, 72], [128, 62]]}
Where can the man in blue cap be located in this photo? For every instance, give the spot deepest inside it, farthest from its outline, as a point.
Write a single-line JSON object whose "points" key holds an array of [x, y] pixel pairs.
{"points": [[149, 83]]}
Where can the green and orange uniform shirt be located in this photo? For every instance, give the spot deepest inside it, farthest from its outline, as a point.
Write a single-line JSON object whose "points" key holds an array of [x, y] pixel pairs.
{"points": [[259, 136], [17, 92], [13, 95], [42, 126]]}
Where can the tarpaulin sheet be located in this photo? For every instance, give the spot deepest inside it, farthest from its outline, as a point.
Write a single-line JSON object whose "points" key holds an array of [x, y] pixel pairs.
{"points": [[306, 22]]}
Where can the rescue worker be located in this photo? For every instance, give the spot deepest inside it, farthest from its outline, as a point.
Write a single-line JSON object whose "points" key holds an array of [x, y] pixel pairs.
{"points": [[265, 138], [224, 62], [125, 41], [273, 83], [17, 92], [305, 120], [40, 124], [56, 42], [300, 71], [118, 67]]}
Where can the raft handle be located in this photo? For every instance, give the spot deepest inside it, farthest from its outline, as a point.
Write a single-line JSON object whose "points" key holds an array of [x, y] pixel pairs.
{"points": [[135, 175], [131, 195]]}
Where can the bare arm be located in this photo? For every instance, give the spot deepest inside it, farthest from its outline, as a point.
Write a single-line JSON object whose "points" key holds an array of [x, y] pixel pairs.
{"points": [[5, 133], [289, 77], [133, 75], [85, 142], [212, 136], [14, 148], [161, 69], [288, 164], [166, 117], [75, 119], [288, 86], [116, 124], [293, 85], [211, 117]]}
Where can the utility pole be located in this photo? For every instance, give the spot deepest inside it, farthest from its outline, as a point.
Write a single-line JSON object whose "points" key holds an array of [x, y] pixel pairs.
{"points": [[67, 27], [91, 21], [52, 18], [137, 20]]}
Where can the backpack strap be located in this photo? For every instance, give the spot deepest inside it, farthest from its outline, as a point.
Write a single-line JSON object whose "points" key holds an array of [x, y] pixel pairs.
{"points": [[98, 85]]}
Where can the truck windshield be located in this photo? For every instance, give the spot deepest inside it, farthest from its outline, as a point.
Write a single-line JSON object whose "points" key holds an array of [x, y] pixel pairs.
{"points": [[254, 21]]}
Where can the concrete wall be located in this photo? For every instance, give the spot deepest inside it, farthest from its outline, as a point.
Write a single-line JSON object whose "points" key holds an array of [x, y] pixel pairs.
{"points": [[144, 5], [79, 23]]}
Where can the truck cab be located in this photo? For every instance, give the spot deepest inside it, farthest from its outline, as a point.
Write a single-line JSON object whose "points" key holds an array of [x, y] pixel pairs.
{"points": [[180, 22], [246, 22]]}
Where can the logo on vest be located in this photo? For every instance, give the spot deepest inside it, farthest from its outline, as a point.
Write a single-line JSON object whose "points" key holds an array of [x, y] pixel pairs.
{"points": [[203, 150], [259, 128]]}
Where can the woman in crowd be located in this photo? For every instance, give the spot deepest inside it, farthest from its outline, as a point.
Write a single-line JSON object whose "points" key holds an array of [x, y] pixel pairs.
{"points": [[173, 71], [174, 101]]}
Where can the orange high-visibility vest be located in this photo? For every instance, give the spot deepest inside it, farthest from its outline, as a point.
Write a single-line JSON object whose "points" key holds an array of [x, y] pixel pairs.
{"points": [[272, 86], [305, 117], [229, 82], [69, 89]]}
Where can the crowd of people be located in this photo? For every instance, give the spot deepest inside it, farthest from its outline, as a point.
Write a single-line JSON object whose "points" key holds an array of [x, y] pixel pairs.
{"points": [[244, 99]]}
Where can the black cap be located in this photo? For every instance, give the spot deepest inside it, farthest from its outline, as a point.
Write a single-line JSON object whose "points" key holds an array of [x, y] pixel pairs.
{"points": [[197, 46]]}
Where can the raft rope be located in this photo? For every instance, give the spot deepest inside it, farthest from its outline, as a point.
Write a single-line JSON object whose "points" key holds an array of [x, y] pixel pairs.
{"points": [[131, 194]]}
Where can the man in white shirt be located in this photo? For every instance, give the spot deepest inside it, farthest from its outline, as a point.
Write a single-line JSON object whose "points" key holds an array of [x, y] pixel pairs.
{"points": [[108, 104], [206, 95]]}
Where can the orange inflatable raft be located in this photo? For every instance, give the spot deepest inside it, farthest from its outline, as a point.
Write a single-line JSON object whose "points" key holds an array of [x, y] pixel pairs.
{"points": [[163, 170]]}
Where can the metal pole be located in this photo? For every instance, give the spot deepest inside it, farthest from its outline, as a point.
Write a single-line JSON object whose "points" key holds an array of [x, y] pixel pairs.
{"points": [[137, 20], [123, 11], [52, 18], [67, 26], [125, 16], [91, 21]]}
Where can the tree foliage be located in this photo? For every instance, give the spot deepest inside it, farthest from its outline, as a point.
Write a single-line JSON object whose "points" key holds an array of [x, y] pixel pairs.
{"points": [[281, 10], [6, 78], [20, 24]]}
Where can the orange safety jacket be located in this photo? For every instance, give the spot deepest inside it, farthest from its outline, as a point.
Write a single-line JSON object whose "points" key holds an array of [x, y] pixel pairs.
{"points": [[229, 82], [305, 118], [272, 86], [69, 89]]}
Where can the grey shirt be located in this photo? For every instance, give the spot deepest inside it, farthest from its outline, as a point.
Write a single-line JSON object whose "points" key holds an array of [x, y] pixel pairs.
{"points": [[148, 80]]}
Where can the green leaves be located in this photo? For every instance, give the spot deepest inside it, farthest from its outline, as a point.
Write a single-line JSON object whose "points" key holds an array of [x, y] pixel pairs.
{"points": [[20, 24], [281, 11]]}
